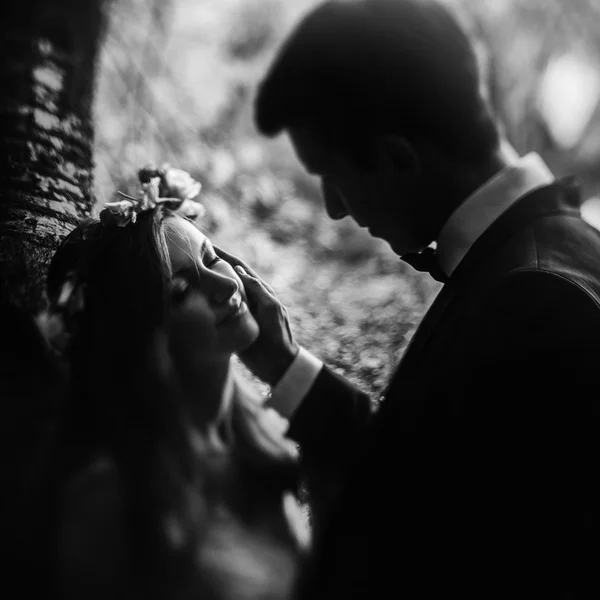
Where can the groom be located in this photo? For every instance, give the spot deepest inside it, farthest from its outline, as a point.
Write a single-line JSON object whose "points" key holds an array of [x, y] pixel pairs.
{"points": [[475, 477]]}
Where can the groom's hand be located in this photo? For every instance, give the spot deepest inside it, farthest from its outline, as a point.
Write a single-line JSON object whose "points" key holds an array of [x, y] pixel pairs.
{"points": [[270, 356]]}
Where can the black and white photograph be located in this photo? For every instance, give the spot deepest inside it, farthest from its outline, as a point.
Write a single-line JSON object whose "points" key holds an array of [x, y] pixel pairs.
{"points": [[300, 299]]}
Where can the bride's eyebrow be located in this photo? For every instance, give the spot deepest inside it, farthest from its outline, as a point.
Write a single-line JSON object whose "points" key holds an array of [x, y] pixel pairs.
{"points": [[189, 253]]}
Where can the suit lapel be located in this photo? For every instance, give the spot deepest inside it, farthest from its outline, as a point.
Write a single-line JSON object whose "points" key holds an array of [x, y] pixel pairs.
{"points": [[560, 198], [409, 365], [428, 325]]}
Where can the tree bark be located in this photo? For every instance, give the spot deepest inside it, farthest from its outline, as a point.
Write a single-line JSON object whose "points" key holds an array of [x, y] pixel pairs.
{"points": [[47, 76]]}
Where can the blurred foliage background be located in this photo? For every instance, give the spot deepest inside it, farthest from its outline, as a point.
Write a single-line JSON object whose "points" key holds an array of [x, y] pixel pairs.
{"points": [[177, 83]]}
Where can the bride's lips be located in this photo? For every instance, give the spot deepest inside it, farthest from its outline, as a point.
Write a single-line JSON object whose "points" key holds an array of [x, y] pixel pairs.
{"points": [[237, 312]]}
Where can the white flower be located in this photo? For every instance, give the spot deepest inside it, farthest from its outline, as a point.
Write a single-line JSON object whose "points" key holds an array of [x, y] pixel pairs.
{"points": [[180, 184], [121, 213], [191, 210], [179, 189], [149, 194]]}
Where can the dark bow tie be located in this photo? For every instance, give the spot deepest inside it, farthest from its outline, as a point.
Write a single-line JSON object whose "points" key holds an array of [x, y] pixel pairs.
{"points": [[426, 261]]}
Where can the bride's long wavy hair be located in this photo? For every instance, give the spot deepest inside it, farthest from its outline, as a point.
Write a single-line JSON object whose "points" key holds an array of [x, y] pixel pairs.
{"points": [[125, 403]]}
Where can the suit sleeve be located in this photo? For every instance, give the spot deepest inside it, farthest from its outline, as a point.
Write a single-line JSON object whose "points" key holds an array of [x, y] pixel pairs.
{"points": [[331, 426], [529, 401], [333, 412], [534, 350]]}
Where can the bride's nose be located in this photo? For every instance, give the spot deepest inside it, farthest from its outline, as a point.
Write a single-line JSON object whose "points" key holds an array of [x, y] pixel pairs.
{"points": [[222, 288]]}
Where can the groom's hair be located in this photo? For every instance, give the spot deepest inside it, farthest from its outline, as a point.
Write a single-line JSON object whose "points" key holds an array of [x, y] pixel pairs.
{"points": [[355, 69]]}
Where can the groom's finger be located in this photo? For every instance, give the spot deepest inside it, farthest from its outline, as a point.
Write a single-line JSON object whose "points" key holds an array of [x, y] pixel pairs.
{"points": [[256, 282], [234, 261]]}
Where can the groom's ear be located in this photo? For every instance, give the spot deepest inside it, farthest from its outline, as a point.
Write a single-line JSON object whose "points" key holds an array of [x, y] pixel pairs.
{"points": [[397, 154]]}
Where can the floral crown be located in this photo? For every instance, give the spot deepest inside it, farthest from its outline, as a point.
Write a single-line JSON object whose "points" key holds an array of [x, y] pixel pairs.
{"points": [[166, 185], [173, 188]]}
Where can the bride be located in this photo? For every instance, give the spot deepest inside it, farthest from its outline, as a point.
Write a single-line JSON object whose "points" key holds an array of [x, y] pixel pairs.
{"points": [[169, 477]]}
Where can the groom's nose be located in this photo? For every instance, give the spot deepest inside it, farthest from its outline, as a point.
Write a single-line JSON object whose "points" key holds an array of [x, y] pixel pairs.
{"points": [[333, 201]]}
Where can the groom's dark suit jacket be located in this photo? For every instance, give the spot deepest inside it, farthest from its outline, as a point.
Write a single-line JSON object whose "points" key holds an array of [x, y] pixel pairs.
{"points": [[477, 475]]}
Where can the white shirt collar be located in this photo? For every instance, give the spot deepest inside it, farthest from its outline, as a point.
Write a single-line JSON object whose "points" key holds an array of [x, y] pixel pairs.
{"points": [[486, 204]]}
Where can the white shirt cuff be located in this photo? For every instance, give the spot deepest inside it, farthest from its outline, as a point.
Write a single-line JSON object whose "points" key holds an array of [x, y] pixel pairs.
{"points": [[292, 388]]}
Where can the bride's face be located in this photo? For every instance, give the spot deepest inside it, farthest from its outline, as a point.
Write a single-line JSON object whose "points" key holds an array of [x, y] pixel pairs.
{"points": [[209, 318]]}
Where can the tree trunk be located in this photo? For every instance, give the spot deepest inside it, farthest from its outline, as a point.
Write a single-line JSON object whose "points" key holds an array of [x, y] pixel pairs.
{"points": [[47, 75]]}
